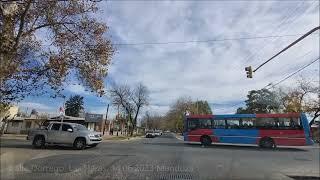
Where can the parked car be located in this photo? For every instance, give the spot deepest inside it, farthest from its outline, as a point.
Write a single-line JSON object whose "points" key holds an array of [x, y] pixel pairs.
{"points": [[150, 134], [158, 133], [63, 133]]}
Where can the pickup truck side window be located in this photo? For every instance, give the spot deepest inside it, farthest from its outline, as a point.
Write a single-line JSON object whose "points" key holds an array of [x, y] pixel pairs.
{"points": [[55, 127], [65, 127]]}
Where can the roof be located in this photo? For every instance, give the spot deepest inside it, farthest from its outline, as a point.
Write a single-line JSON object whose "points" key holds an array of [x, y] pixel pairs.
{"points": [[69, 118], [59, 122], [17, 119]]}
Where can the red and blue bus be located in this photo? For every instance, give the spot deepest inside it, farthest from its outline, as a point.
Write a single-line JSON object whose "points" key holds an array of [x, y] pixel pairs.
{"points": [[265, 130]]}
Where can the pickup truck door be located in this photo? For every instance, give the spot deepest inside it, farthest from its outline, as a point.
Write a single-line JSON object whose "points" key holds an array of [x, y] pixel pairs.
{"points": [[67, 137], [53, 132]]}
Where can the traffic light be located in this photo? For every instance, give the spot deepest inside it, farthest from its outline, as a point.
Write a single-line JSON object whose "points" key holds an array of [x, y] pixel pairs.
{"points": [[248, 71]]}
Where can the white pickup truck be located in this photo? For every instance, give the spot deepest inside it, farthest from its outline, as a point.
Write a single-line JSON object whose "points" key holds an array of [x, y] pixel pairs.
{"points": [[64, 133]]}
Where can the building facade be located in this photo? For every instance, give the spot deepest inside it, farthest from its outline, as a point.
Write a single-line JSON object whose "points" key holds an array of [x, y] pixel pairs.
{"points": [[21, 125]]}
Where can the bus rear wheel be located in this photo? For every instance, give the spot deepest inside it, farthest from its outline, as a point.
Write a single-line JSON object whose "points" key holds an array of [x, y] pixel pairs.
{"points": [[205, 140], [267, 143]]}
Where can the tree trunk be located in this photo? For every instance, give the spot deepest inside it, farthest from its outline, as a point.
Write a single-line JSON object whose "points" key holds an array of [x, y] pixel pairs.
{"points": [[4, 125]]}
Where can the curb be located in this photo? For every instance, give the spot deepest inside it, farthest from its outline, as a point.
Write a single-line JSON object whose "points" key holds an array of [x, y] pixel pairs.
{"points": [[179, 137], [121, 140], [14, 137]]}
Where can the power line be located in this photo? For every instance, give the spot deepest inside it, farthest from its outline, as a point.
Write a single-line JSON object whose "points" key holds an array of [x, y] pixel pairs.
{"points": [[282, 80], [290, 45], [283, 21], [205, 41], [292, 74]]}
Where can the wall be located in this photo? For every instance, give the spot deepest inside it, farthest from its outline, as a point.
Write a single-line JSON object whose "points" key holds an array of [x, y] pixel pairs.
{"points": [[14, 127]]}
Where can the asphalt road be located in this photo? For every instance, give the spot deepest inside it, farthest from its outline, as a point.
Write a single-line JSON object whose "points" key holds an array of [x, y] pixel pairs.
{"points": [[162, 158]]}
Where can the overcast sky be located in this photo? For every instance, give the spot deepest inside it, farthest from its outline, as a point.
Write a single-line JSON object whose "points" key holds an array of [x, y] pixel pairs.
{"points": [[212, 71]]}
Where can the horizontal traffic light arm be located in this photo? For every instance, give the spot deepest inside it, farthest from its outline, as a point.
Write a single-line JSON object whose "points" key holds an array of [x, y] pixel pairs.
{"points": [[290, 45]]}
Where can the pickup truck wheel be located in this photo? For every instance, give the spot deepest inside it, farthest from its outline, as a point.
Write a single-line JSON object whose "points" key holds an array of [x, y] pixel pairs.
{"points": [[38, 142], [79, 143]]}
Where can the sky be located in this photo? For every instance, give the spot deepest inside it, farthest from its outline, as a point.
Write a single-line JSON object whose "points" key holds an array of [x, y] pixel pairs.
{"points": [[212, 70]]}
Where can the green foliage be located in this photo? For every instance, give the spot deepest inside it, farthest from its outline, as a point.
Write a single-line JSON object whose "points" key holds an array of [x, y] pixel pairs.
{"points": [[242, 110], [200, 107], [74, 106], [260, 101], [174, 119]]}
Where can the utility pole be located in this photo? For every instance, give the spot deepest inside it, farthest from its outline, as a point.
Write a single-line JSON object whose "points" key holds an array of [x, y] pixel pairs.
{"points": [[247, 69], [105, 123], [197, 107]]}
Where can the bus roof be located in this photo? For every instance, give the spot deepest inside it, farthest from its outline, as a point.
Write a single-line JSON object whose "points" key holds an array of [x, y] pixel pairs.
{"points": [[244, 116]]}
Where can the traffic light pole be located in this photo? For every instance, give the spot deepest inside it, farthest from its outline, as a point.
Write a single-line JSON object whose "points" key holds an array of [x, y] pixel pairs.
{"points": [[105, 122], [290, 45]]}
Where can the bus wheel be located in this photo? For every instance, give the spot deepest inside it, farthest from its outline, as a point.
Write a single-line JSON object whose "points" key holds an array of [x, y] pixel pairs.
{"points": [[205, 140], [267, 143]]}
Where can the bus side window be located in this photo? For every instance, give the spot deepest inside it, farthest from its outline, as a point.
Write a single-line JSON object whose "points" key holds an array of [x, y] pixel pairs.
{"points": [[205, 123], [233, 124], [289, 123], [193, 124], [296, 123], [266, 123], [219, 124]]}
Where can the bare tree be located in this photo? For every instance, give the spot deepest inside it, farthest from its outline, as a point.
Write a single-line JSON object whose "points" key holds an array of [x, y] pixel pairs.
{"points": [[139, 98], [130, 100], [152, 121]]}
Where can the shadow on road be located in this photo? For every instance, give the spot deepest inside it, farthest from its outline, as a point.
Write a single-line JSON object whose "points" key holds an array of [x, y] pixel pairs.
{"points": [[230, 147]]}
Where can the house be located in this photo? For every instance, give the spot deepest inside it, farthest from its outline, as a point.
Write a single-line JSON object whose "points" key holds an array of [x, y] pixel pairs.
{"points": [[21, 125], [10, 114], [94, 122], [15, 125]]}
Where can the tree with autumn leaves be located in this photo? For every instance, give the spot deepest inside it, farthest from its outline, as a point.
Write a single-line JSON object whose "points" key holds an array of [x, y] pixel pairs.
{"points": [[173, 119], [302, 97], [44, 43]]}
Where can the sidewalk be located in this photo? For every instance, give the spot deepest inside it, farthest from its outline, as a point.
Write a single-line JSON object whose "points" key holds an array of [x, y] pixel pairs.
{"points": [[14, 136]]}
